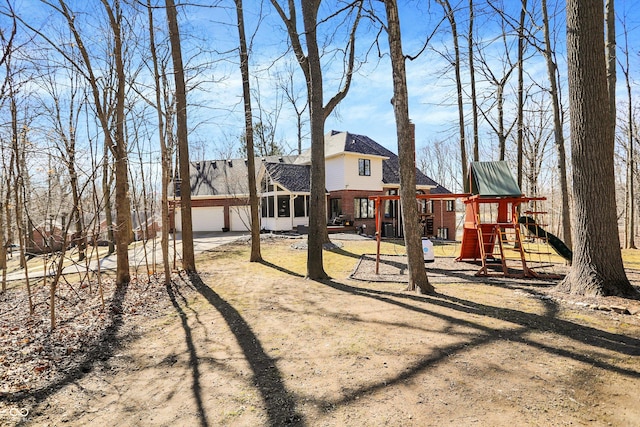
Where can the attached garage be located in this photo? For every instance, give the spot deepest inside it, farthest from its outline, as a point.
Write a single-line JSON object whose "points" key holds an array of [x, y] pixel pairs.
{"points": [[210, 218], [240, 218]]}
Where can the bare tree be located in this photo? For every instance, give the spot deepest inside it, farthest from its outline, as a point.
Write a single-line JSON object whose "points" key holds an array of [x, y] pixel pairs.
{"points": [[165, 152], [520, 90], [472, 83], [248, 122], [63, 111], [7, 37], [188, 254], [310, 62], [287, 84], [629, 239], [597, 267], [434, 160], [111, 123], [499, 81], [406, 154], [456, 62]]}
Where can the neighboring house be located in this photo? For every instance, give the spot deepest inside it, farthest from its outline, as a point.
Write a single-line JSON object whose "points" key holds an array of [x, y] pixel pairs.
{"points": [[144, 230], [46, 237], [357, 167]]}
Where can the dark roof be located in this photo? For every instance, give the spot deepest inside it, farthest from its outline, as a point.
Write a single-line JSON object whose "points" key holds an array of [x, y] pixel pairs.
{"points": [[390, 167], [440, 190], [218, 177], [295, 178]]}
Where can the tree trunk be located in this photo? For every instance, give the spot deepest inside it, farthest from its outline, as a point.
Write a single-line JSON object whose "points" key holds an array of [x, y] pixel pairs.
{"points": [[629, 239], [610, 46], [123, 205], [164, 151], [188, 255], [3, 249], [318, 199], [472, 83], [19, 190], [107, 180], [557, 128], [406, 154], [115, 142], [597, 267], [318, 113], [520, 119], [248, 121], [456, 48], [76, 216]]}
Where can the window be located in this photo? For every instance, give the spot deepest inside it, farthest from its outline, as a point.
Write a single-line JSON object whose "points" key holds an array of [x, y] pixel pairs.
{"points": [[364, 167], [267, 207], [335, 208], [450, 205], [300, 206], [443, 233], [391, 206], [364, 208], [283, 207]]}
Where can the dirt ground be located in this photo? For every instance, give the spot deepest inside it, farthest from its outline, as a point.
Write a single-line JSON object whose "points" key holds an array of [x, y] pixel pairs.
{"points": [[256, 344]]}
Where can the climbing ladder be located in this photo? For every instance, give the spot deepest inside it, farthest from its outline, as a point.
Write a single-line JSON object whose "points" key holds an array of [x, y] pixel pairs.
{"points": [[501, 244], [494, 238]]}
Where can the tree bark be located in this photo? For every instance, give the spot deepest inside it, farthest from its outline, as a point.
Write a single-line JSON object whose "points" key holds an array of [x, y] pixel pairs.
{"points": [[318, 112], [318, 201], [123, 204], [520, 118], [472, 83], [164, 151], [456, 65], [188, 255], [597, 267], [248, 122], [406, 154], [557, 127]]}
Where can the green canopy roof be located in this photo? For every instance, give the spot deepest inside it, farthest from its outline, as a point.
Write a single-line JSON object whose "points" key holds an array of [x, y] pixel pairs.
{"points": [[491, 179]]}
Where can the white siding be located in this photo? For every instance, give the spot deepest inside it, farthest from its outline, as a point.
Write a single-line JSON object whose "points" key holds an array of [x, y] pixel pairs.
{"points": [[353, 181], [335, 173]]}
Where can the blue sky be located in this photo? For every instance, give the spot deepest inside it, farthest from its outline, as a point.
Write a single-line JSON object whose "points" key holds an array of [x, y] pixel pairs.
{"points": [[216, 113], [432, 96]]}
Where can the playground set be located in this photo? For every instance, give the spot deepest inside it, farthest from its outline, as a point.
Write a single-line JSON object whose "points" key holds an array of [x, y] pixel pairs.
{"points": [[494, 219]]}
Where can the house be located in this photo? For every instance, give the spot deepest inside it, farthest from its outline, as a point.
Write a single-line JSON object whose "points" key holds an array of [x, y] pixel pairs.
{"points": [[219, 194], [357, 168], [48, 236], [144, 230]]}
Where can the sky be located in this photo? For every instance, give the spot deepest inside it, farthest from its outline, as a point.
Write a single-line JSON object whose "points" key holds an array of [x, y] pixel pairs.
{"points": [[209, 36], [432, 96]]}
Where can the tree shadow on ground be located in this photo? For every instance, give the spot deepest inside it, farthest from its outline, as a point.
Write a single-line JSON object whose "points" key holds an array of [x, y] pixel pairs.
{"points": [[194, 362], [98, 351], [525, 322], [280, 404]]}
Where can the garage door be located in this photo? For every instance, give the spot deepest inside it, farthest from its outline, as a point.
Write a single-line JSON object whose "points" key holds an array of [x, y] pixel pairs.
{"points": [[209, 218], [240, 218]]}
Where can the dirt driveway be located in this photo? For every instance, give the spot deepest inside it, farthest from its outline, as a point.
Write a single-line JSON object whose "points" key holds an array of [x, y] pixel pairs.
{"points": [[255, 344]]}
